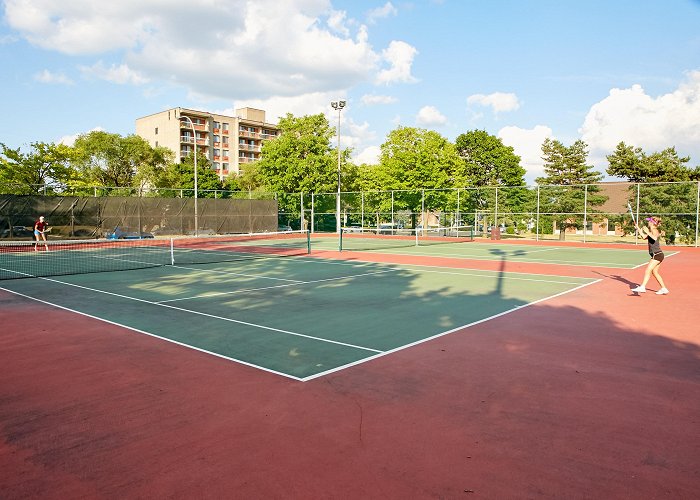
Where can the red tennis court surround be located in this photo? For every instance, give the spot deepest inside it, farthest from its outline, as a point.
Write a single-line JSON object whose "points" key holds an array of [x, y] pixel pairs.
{"points": [[592, 394]]}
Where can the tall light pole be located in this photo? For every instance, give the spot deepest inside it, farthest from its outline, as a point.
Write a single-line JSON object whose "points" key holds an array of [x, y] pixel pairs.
{"points": [[194, 137], [338, 105]]}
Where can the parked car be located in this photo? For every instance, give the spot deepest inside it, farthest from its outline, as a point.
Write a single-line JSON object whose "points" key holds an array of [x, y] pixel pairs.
{"points": [[17, 232], [125, 234]]}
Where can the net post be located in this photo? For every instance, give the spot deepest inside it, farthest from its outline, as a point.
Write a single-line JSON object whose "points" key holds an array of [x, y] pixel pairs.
{"points": [[308, 241], [340, 240], [172, 252]]}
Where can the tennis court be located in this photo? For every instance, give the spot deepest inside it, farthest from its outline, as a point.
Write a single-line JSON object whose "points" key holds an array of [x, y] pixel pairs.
{"points": [[454, 244], [211, 367], [299, 317]]}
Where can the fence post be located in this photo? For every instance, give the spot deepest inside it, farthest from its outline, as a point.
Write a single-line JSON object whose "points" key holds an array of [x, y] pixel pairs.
{"points": [[458, 219], [392, 211], [495, 214], [697, 213], [585, 211], [313, 206], [537, 216], [423, 218], [362, 209], [636, 240]]}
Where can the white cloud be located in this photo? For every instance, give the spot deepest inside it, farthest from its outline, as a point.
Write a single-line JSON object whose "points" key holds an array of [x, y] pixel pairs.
{"points": [[278, 106], [371, 99], [498, 101], [255, 49], [77, 27], [527, 144], [652, 123], [430, 116], [69, 140], [47, 76], [400, 57], [369, 156], [337, 22], [381, 12], [121, 74]]}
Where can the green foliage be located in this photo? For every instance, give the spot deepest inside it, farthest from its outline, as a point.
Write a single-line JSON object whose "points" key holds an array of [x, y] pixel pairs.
{"points": [[181, 176], [106, 159], [635, 165], [672, 192], [300, 159], [413, 158], [486, 161], [568, 190], [46, 164]]}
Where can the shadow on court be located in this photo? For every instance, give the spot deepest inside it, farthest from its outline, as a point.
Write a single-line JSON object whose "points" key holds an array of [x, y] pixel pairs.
{"points": [[587, 395]]}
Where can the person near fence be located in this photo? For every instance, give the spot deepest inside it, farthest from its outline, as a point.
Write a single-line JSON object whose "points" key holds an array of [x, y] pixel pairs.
{"points": [[652, 234], [40, 228]]}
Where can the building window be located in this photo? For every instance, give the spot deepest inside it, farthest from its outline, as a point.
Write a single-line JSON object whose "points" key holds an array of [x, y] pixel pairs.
{"points": [[156, 130]]}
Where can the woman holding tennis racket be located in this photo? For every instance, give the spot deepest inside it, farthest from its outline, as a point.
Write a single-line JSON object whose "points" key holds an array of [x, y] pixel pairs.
{"points": [[652, 234], [40, 227]]}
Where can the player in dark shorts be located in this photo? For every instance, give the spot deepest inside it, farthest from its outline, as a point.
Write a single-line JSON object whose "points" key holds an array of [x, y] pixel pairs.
{"points": [[40, 227], [652, 234]]}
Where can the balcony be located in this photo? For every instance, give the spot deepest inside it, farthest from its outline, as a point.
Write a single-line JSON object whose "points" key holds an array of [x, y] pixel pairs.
{"points": [[202, 127], [246, 133]]}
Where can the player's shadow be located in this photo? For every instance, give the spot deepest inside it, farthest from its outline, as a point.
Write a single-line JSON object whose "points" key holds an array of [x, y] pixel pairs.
{"points": [[621, 279]]}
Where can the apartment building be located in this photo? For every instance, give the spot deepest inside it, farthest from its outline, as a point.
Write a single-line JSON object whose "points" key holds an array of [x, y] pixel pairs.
{"points": [[229, 142]]}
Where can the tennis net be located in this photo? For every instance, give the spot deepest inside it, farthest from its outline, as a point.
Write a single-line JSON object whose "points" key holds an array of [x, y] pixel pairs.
{"points": [[367, 239], [25, 259]]}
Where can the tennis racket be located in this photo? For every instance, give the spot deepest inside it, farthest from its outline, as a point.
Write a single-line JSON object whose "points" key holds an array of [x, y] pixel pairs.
{"points": [[629, 207]]}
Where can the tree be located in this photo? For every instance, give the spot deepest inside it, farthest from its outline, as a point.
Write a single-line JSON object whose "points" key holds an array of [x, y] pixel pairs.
{"points": [[636, 166], [488, 163], [46, 165], [412, 160], [569, 181], [112, 160], [667, 186], [181, 176], [300, 159]]}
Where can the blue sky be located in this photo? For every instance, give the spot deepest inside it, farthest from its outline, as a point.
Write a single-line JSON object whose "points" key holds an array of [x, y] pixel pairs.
{"points": [[602, 71]]}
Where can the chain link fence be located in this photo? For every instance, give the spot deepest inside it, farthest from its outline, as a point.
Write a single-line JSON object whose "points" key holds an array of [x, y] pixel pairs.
{"points": [[588, 212]]}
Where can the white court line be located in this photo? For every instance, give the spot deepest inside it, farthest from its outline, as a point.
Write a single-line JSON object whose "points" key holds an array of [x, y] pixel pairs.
{"points": [[468, 271], [188, 346], [495, 274], [254, 325], [216, 294], [666, 255], [400, 348], [228, 273], [492, 258], [302, 379]]}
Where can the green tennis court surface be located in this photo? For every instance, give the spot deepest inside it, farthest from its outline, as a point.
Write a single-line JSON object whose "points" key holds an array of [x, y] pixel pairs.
{"points": [[466, 248], [299, 317]]}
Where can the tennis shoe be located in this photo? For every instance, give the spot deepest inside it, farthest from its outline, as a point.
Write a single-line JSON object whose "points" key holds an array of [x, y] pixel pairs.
{"points": [[639, 289], [663, 291]]}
